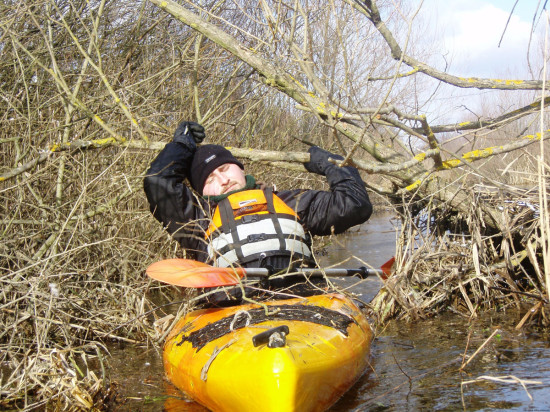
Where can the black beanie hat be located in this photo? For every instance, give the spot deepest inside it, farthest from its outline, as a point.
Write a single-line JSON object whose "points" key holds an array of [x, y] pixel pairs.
{"points": [[208, 158]]}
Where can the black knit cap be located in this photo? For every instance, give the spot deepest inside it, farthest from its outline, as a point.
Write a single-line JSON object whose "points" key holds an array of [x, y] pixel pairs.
{"points": [[208, 158]]}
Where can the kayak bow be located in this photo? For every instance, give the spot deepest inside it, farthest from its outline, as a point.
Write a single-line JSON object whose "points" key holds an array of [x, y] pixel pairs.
{"points": [[300, 354]]}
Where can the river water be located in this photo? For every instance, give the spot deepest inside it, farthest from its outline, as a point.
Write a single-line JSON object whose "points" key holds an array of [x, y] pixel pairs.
{"points": [[413, 366]]}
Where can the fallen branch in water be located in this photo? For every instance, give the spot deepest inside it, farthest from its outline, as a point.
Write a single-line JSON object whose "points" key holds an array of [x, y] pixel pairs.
{"points": [[479, 350], [504, 379]]}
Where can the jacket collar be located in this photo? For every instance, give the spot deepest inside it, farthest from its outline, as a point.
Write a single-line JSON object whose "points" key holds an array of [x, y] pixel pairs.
{"points": [[250, 184]]}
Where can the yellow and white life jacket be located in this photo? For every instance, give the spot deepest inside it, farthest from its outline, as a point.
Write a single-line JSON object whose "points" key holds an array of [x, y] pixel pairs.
{"points": [[254, 224]]}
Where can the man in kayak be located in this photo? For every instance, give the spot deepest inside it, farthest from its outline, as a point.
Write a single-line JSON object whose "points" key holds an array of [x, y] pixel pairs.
{"points": [[225, 218]]}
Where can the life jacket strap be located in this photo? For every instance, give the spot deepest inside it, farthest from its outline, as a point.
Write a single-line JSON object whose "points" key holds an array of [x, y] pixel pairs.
{"points": [[274, 219]]}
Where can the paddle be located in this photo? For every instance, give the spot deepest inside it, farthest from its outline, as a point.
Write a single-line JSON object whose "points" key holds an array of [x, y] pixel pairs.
{"points": [[193, 274]]}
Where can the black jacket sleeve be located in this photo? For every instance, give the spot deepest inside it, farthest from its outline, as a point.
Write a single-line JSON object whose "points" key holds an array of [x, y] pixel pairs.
{"points": [[346, 204], [171, 201]]}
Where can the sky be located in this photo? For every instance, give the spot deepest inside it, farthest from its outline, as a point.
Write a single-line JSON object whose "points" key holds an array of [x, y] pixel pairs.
{"points": [[470, 32], [466, 35]]}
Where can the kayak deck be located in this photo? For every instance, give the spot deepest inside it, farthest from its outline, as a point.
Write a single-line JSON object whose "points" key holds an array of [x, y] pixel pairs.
{"points": [[210, 354]]}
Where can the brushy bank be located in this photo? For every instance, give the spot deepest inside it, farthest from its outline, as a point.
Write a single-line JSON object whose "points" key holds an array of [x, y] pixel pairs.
{"points": [[452, 262]]}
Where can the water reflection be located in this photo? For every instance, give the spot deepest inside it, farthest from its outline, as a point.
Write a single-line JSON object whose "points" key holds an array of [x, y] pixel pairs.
{"points": [[416, 367], [371, 244]]}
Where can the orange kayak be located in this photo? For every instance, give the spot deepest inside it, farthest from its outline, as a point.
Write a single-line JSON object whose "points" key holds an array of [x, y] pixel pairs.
{"points": [[297, 354]]}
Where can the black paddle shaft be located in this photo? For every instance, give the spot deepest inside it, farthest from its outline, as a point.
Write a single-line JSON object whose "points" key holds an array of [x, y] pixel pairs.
{"points": [[361, 272]]}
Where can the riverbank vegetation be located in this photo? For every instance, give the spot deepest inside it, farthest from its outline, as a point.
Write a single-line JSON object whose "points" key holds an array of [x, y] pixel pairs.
{"points": [[91, 90]]}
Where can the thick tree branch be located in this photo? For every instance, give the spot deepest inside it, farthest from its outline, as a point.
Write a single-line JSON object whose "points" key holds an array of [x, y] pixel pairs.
{"points": [[491, 123], [277, 78], [370, 10]]}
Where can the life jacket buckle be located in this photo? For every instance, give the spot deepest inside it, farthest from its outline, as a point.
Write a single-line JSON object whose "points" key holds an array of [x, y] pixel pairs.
{"points": [[250, 218], [256, 238]]}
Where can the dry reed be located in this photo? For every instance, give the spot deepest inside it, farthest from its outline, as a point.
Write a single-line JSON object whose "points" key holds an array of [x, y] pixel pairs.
{"points": [[449, 261]]}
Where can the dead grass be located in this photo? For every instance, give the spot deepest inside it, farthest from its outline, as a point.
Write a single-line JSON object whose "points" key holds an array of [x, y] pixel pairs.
{"points": [[453, 262]]}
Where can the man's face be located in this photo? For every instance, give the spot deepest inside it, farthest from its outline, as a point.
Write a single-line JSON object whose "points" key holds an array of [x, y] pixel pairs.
{"points": [[226, 178]]}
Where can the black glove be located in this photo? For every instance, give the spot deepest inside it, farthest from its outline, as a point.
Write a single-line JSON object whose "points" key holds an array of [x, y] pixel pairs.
{"points": [[318, 161], [189, 134]]}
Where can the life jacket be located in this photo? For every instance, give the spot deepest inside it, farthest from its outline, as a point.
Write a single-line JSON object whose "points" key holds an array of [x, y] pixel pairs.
{"points": [[250, 225]]}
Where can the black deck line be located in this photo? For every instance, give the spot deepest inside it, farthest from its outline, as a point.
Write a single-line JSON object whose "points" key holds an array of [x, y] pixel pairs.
{"points": [[303, 313]]}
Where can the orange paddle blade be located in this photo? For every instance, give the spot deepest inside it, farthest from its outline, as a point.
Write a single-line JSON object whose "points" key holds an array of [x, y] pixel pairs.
{"points": [[386, 268], [193, 274]]}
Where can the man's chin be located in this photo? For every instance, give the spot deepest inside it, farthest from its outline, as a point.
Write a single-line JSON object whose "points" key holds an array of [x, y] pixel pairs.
{"points": [[232, 188]]}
